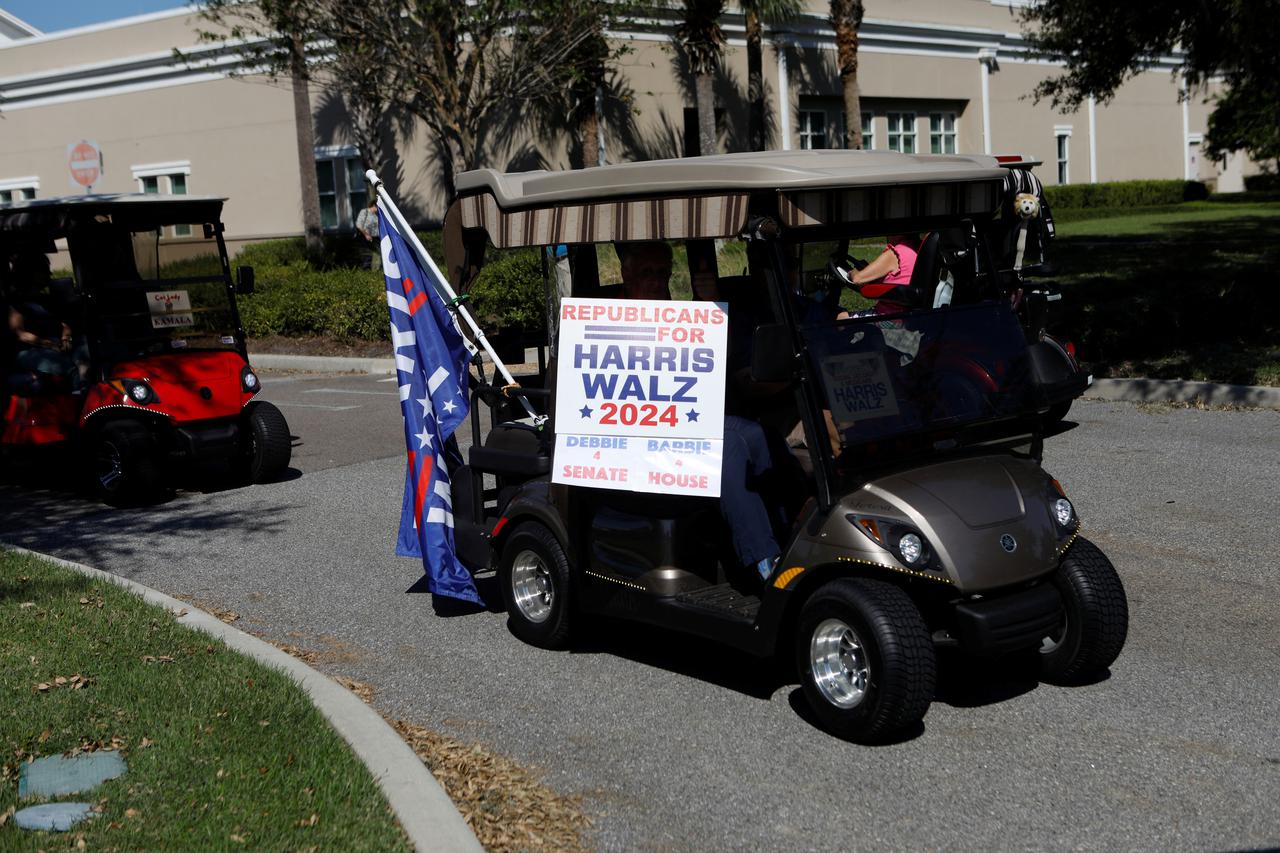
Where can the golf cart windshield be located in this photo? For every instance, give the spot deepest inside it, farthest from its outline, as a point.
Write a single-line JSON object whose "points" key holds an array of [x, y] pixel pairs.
{"points": [[152, 293], [931, 374]]}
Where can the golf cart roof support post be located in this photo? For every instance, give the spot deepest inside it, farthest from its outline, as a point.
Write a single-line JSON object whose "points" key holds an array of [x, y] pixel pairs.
{"points": [[242, 344], [450, 296], [814, 428]]}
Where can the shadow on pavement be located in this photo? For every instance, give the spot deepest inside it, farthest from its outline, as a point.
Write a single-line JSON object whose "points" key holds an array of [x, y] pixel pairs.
{"points": [[800, 705], [69, 524], [683, 654], [968, 682]]}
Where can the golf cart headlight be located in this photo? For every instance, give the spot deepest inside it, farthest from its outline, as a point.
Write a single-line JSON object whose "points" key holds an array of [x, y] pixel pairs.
{"points": [[249, 380], [911, 548], [139, 392], [1063, 512]]}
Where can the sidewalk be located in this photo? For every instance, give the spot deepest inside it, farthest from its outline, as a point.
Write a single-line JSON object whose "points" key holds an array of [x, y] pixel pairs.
{"points": [[1122, 390]]}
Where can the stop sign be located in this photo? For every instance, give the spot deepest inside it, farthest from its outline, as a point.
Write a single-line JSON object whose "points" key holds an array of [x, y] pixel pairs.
{"points": [[83, 159]]}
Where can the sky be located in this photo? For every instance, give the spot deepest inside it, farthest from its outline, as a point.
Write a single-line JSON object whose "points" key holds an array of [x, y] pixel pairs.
{"points": [[52, 15]]}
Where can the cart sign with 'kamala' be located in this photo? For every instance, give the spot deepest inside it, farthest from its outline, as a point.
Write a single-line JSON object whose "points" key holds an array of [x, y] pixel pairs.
{"points": [[640, 395]]}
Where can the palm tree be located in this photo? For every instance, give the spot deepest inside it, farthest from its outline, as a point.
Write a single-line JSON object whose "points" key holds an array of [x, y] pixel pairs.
{"points": [[703, 41], [846, 18], [758, 13]]}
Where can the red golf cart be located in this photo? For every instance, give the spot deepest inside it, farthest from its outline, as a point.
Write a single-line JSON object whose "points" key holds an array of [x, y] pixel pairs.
{"points": [[125, 345]]}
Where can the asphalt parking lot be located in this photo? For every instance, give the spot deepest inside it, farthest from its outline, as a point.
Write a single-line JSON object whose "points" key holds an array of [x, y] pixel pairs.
{"points": [[674, 743]]}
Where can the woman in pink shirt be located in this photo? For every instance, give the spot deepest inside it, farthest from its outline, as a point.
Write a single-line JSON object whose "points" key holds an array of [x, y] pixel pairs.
{"points": [[890, 270]]}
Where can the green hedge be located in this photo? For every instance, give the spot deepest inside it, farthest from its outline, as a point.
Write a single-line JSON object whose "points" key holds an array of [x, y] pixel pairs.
{"points": [[1125, 194], [294, 298], [1264, 182]]}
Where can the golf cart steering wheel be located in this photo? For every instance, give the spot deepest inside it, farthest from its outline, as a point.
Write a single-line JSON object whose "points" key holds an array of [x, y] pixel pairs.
{"points": [[838, 265]]}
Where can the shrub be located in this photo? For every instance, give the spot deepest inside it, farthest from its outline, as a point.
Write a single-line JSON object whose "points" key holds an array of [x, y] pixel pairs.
{"points": [[1264, 182], [1124, 194], [294, 298]]}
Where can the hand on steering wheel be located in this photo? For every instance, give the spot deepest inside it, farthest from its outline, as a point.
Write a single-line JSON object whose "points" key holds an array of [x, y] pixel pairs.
{"points": [[839, 266]]}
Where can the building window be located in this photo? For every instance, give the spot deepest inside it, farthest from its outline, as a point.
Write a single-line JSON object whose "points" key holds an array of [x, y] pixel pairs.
{"points": [[902, 132], [168, 178], [21, 189], [1063, 137], [868, 137], [340, 180], [942, 133], [813, 129]]}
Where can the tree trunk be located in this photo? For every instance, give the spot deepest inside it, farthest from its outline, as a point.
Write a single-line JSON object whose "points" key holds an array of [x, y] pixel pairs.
{"points": [[755, 81], [846, 18], [305, 135], [706, 114], [589, 133]]}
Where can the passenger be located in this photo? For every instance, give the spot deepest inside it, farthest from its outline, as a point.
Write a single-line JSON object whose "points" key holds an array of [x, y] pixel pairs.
{"points": [[43, 341], [891, 269], [646, 274]]}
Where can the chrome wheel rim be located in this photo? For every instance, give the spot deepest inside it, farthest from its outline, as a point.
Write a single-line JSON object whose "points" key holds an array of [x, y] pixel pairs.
{"points": [[532, 587], [1050, 643], [838, 662], [110, 466]]}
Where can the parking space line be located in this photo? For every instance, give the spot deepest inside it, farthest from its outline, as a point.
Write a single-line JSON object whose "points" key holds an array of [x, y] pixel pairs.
{"points": [[348, 391]]}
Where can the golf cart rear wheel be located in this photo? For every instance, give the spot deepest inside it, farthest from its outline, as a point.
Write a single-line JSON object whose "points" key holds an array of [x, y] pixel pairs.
{"points": [[1095, 619], [534, 575], [269, 443], [125, 465], [866, 659]]}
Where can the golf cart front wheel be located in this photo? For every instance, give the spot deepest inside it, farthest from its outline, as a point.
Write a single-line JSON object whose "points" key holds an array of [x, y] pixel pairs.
{"points": [[1095, 619], [534, 575], [866, 659], [269, 443], [125, 466]]}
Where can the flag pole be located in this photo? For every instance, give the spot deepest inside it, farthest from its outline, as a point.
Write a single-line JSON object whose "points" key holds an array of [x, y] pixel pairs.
{"points": [[442, 283]]}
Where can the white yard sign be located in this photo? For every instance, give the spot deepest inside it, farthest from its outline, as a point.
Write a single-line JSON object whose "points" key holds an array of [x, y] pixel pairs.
{"points": [[640, 395], [170, 308]]}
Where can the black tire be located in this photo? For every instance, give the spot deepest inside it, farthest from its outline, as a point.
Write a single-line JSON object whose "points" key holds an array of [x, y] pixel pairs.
{"points": [[1095, 618], [897, 659], [535, 580], [269, 445], [124, 465]]}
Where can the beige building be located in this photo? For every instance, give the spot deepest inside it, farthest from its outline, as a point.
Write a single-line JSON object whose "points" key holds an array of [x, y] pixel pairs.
{"points": [[109, 108]]}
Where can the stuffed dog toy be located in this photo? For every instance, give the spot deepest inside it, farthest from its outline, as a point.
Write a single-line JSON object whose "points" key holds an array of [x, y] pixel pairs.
{"points": [[1027, 205]]}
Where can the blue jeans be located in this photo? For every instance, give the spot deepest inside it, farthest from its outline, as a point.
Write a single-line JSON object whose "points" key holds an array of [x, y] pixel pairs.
{"points": [[746, 458]]}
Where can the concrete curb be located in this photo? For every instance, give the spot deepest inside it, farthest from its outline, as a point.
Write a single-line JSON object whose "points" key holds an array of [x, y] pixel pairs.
{"points": [[427, 814], [340, 364], [323, 364], [1179, 391], [1121, 390]]}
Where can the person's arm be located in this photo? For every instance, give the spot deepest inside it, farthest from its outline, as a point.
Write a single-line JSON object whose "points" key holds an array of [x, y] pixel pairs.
{"points": [[885, 264]]}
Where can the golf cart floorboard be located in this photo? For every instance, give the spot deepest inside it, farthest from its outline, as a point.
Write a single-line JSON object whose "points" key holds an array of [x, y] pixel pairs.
{"points": [[722, 600]]}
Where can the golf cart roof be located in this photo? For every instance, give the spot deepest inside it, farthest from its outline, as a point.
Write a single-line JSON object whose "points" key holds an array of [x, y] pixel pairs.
{"points": [[56, 214], [711, 197], [756, 170]]}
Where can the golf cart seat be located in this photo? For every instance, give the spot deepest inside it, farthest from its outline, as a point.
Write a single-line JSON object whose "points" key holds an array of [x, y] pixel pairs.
{"points": [[512, 449]]}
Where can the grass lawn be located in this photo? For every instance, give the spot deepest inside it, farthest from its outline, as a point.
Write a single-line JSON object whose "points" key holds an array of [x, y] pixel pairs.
{"points": [[1180, 292], [223, 753]]}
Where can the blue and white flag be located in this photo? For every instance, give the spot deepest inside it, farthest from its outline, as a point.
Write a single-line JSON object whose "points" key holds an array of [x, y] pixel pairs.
{"points": [[431, 365]]}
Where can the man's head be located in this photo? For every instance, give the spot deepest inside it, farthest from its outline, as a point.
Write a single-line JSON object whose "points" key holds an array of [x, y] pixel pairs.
{"points": [[646, 270]]}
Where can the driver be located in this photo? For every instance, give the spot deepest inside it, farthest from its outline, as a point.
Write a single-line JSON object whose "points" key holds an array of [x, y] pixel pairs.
{"points": [[890, 270], [646, 274]]}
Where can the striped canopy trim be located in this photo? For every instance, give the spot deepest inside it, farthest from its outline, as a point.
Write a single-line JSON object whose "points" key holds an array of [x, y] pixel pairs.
{"points": [[830, 207], [681, 218]]}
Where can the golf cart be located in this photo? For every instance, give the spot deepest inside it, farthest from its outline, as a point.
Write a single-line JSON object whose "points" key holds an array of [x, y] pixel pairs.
{"points": [[151, 376], [912, 510]]}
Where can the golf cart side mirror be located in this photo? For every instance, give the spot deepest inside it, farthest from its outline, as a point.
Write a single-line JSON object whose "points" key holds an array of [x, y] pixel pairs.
{"points": [[244, 281], [772, 356]]}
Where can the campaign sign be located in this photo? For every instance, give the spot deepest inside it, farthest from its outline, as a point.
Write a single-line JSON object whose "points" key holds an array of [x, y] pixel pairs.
{"points": [[640, 395], [858, 387], [170, 308]]}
